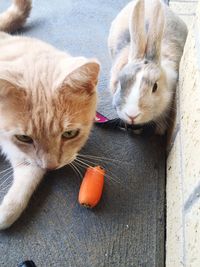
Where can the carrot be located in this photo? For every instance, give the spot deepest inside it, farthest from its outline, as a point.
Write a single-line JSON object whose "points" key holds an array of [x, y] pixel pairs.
{"points": [[91, 187]]}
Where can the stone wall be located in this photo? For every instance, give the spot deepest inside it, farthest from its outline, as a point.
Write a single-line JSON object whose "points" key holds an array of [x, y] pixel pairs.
{"points": [[183, 162]]}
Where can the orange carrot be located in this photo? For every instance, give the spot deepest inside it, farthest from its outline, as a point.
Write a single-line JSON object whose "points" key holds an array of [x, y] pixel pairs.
{"points": [[91, 187]]}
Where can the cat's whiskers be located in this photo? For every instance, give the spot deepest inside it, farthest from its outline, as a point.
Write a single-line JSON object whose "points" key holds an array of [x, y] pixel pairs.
{"points": [[86, 161], [6, 187], [8, 169], [107, 176], [26, 163], [85, 164], [99, 158], [6, 180], [76, 170], [7, 173]]}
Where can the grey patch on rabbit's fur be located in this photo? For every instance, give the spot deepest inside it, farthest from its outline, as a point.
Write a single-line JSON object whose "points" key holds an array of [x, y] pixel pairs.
{"points": [[146, 26], [152, 54], [127, 79], [147, 81], [123, 41], [118, 100], [128, 74]]}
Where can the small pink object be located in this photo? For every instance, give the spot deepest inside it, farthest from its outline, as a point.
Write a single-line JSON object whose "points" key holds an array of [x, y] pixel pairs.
{"points": [[100, 118]]}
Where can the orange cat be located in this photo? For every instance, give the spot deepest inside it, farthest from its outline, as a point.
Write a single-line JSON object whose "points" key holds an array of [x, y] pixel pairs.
{"points": [[47, 107]]}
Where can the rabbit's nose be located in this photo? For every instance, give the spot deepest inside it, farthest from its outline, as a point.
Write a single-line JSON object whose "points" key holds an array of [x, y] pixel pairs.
{"points": [[132, 118]]}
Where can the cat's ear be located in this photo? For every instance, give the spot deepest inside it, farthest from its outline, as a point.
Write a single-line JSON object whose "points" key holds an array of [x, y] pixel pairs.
{"points": [[9, 91], [84, 78], [5, 88]]}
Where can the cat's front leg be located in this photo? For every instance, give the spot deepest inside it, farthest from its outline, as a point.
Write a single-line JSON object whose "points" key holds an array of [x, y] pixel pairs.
{"points": [[25, 180]]}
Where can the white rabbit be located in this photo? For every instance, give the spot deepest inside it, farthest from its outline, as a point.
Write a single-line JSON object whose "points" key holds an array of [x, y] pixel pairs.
{"points": [[146, 42]]}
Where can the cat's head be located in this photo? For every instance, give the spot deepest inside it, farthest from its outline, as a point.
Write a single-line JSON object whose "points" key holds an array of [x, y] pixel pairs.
{"points": [[46, 120]]}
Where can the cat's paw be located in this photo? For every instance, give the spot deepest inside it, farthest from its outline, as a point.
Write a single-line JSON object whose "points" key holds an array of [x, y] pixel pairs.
{"points": [[7, 216]]}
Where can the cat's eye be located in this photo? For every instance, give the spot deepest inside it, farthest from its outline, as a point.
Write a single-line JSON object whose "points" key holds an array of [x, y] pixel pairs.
{"points": [[155, 87], [24, 139], [70, 134]]}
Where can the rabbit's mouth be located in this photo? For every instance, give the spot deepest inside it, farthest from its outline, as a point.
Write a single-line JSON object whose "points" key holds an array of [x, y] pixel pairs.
{"points": [[117, 123], [130, 118]]}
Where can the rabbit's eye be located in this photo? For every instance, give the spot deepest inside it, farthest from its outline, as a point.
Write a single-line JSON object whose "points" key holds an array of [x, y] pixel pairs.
{"points": [[155, 87]]}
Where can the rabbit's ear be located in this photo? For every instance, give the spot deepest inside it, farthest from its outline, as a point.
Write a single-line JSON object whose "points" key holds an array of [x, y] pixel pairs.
{"points": [[155, 32], [137, 31]]}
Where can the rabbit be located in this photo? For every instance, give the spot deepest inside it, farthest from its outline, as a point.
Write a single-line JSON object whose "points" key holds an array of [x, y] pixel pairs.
{"points": [[146, 42]]}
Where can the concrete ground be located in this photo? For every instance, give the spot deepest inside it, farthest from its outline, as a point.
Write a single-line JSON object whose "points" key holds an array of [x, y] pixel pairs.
{"points": [[128, 226]]}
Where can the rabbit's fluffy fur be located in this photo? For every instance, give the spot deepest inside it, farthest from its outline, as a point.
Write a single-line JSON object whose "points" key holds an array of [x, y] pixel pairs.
{"points": [[146, 42]]}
